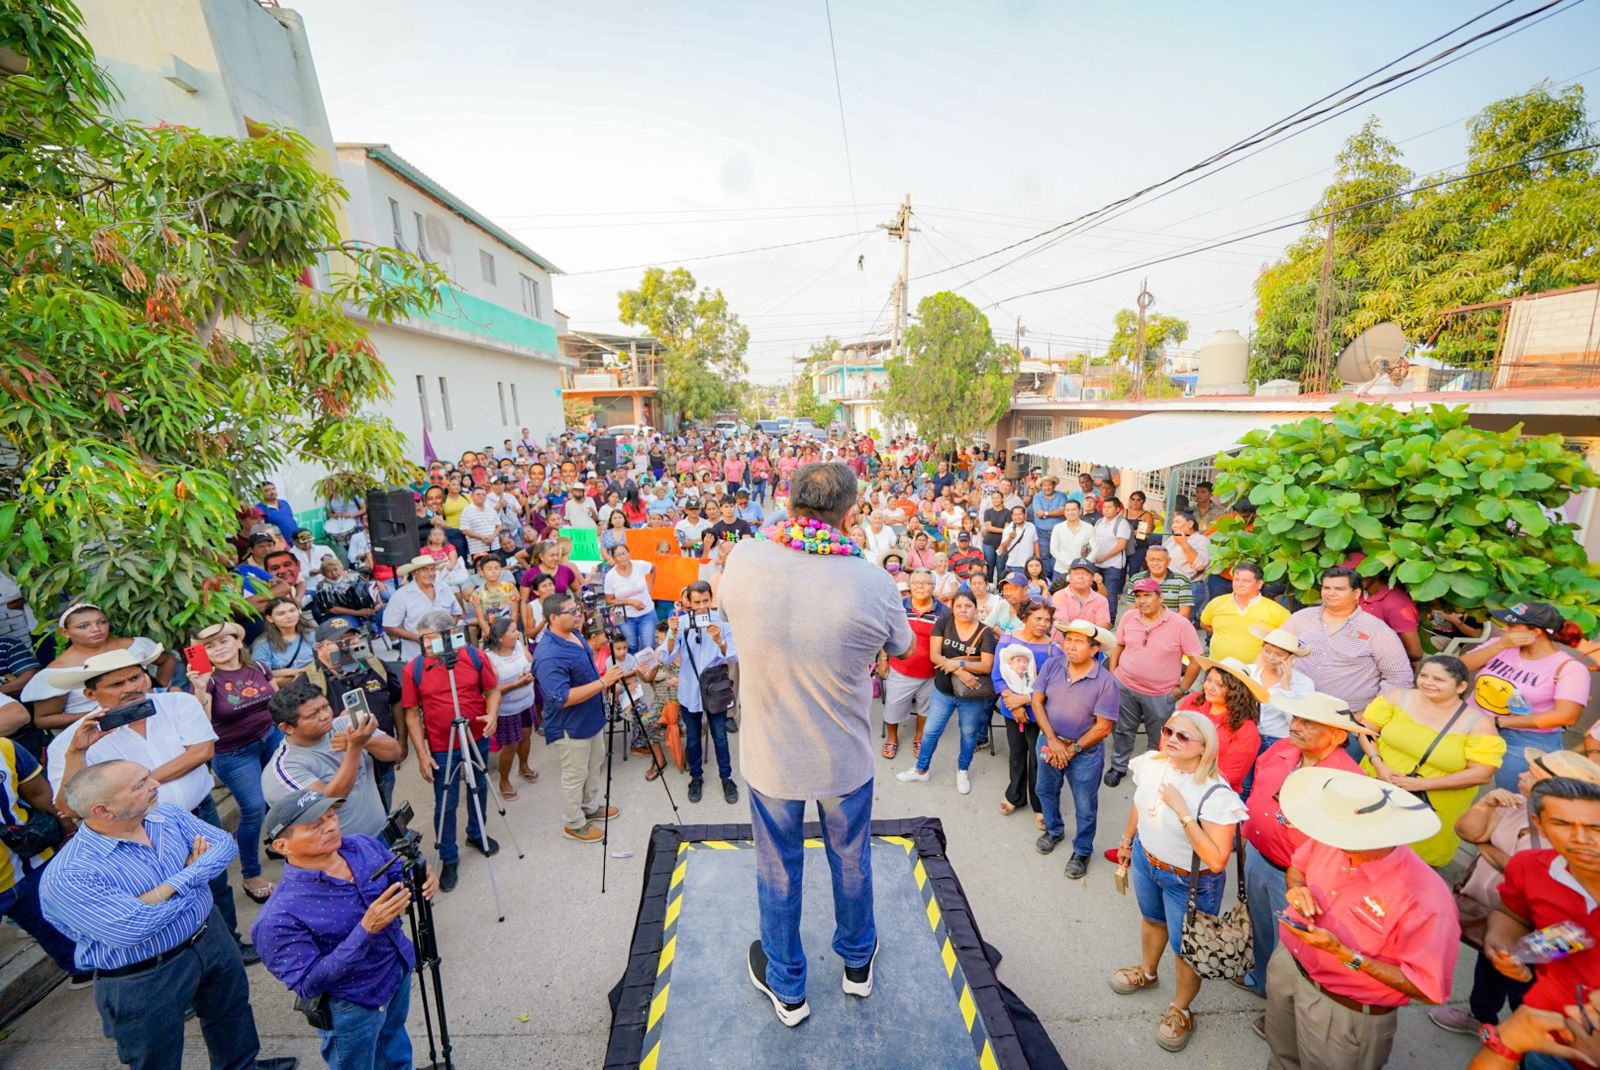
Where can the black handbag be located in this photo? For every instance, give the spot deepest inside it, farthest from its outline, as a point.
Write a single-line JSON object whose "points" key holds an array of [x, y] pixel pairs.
{"points": [[716, 685], [41, 833]]}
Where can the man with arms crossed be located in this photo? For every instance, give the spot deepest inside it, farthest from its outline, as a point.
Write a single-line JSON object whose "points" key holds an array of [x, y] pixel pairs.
{"points": [[819, 621]]}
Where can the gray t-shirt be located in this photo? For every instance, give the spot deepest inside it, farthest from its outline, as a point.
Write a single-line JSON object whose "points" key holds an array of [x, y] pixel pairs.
{"points": [[293, 768], [810, 628]]}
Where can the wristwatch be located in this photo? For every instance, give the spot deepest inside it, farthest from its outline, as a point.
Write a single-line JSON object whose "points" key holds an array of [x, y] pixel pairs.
{"points": [[1183, 821], [1489, 1037], [1355, 961]]}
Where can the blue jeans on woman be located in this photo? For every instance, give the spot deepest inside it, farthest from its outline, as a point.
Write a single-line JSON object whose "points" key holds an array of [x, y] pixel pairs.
{"points": [[369, 1038], [777, 827], [972, 712], [1164, 896], [991, 560], [240, 770], [639, 631], [1082, 775], [1515, 764]]}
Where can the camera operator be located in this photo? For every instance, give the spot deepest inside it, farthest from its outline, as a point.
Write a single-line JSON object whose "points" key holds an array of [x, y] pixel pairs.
{"points": [[131, 890], [332, 933], [427, 708], [333, 755], [574, 715], [345, 663], [703, 648]]}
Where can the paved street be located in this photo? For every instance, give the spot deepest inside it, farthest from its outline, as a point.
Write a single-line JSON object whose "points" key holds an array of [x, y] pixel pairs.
{"points": [[563, 945]]}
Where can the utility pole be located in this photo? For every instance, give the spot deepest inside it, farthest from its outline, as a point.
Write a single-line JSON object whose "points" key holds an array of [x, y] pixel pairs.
{"points": [[900, 230], [1320, 379], [1144, 301], [1021, 330]]}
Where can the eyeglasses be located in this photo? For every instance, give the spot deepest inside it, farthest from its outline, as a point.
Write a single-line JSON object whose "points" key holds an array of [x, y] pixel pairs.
{"points": [[1177, 735]]}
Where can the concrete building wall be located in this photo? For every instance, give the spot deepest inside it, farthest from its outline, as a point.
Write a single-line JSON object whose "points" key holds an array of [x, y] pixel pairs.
{"points": [[1552, 341]]}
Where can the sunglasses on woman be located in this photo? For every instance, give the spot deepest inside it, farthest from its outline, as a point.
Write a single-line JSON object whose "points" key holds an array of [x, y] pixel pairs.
{"points": [[1177, 735]]}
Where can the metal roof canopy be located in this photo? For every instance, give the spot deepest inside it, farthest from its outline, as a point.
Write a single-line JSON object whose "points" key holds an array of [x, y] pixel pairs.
{"points": [[1160, 440]]}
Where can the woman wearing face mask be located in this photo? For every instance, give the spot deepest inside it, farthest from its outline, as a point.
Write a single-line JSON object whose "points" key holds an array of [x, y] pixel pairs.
{"points": [[894, 565], [86, 632], [1434, 742], [286, 645], [234, 695]]}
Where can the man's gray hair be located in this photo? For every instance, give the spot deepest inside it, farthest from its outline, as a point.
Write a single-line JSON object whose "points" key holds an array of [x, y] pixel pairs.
{"points": [[824, 489], [94, 785], [928, 572], [436, 620]]}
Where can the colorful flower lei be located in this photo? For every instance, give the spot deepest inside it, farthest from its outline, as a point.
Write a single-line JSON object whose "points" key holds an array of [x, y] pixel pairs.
{"points": [[810, 536]]}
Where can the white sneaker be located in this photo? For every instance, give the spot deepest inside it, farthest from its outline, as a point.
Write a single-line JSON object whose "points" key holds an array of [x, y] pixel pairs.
{"points": [[908, 775], [963, 782]]}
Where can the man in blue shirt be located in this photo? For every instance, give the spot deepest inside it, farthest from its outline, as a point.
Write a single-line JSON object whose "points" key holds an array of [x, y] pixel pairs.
{"points": [[132, 890], [279, 513], [745, 509], [1047, 509], [332, 931], [23, 789], [697, 648], [574, 715]]}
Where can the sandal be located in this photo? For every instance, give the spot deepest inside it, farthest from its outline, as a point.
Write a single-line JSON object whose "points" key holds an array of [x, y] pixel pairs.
{"points": [[1130, 979], [508, 793], [259, 893], [653, 772], [891, 749], [1038, 819], [916, 748], [1006, 807], [530, 775]]}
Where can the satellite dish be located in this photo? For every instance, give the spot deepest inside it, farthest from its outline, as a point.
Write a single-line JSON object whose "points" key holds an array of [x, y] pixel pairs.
{"points": [[1373, 352]]}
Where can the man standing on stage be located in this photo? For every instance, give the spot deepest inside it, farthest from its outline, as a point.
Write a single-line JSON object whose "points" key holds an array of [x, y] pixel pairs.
{"points": [[814, 614]]}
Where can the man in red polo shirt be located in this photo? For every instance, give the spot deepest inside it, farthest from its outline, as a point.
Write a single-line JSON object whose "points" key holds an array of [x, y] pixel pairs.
{"points": [[1319, 726], [1544, 888], [1369, 925]]}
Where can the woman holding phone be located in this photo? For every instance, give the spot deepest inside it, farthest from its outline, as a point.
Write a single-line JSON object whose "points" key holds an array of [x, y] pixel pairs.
{"points": [[235, 694], [86, 631]]}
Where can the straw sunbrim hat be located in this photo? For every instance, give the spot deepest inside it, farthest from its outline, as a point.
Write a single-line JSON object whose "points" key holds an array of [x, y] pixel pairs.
{"points": [[1282, 638], [74, 678], [1354, 812], [1323, 709], [1238, 670], [1562, 763], [422, 561]]}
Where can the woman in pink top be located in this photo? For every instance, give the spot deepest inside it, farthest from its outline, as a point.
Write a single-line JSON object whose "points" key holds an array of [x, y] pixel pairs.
{"points": [[733, 471]]}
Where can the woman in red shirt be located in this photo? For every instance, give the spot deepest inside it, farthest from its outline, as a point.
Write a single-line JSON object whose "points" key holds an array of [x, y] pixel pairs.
{"points": [[1232, 701]]}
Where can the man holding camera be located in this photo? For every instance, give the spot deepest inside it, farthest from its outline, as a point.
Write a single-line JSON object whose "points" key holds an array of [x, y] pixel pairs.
{"points": [[333, 935], [428, 707], [697, 643], [333, 755], [574, 715], [346, 665]]}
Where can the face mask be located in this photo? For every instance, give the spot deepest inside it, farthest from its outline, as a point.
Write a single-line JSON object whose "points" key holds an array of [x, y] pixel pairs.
{"points": [[892, 567]]}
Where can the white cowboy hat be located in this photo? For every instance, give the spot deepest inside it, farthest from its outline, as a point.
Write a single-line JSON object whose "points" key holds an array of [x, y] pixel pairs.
{"points": [[420, 561], [1282, 638], [1238, 670], [1354, 812], [1323, 709], [1562, 763], [1101, 636], [98, 665]]}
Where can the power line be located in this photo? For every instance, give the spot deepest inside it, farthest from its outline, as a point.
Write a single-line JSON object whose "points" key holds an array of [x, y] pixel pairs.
{"points": [[714, 256], [844, 132]]}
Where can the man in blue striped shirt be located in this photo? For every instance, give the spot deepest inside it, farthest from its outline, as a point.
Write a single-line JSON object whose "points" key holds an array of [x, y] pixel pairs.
{"points": [[132, 889]]}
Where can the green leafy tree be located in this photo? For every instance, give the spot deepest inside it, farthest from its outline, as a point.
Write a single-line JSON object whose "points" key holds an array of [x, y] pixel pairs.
{"points": [[703, 366], [162, 353], [953, 380], [1453, 513], [1160, 333], [807, 406]]}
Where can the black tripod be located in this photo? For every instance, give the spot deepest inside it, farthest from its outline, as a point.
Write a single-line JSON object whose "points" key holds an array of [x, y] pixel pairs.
{"points": [[614, 717], [406, 848]]}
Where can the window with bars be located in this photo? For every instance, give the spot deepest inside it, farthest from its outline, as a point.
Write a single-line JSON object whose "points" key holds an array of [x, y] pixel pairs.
{"points": [[422, 402], [444, 403], [530, 297], [486, 266], [397, 224], [504, 418]]}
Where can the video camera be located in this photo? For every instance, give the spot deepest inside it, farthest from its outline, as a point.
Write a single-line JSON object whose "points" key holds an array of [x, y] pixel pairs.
{"points": [[398, 835], [349, 659]]}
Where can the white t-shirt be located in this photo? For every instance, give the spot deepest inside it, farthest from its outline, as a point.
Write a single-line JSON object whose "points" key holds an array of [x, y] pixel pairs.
{"points": [[78, 704], [1106, 534], [1068, 544], [1025, 540], [478, 525], [880, 543], [1163, 838], [508, 667], [634, 585], [179, 722], [689, 531]]}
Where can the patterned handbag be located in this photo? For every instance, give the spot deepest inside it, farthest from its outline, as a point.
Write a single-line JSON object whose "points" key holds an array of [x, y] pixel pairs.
{"points": [[1217, 946]]}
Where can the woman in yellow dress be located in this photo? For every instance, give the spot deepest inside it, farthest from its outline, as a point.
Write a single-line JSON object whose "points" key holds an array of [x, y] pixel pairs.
{"points": [[1434, 742]]}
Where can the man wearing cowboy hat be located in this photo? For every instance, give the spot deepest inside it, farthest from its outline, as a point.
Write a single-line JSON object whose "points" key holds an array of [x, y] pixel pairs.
{"points": [[1074, 704], [1148, 662], [174, 743], [1047, 509], [1369, 926], [1274, 669], [1319, 727], [409, 604]]}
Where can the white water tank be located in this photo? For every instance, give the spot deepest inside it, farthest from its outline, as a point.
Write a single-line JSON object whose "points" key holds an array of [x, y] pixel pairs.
{"points": [[1224, 363]]}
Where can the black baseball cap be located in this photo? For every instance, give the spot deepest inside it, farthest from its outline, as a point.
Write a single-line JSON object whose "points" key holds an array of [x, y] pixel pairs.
{"points": [[963, 536], [333, 629], [1084, 563], [1534, 614], [301, 808]]}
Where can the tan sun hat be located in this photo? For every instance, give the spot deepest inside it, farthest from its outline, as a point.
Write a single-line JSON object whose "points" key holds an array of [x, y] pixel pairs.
{"points": [[1354, 812], [1238, 670], [213, 631], [1101, 636], [420, 561], [1282, 638], [1563, 763], [1324, 709], [74, 678]]}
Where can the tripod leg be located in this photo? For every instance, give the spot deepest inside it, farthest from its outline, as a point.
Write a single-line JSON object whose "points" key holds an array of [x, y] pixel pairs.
{"points": [[472, 764], [500, 807]]}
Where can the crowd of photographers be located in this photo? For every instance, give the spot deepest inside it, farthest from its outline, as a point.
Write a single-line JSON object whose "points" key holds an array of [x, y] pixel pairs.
{"points": [[493, 633]]}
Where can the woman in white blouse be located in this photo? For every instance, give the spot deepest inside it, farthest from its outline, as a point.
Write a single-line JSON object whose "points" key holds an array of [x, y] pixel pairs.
{"points": [[1183, 810], [880, 538]]}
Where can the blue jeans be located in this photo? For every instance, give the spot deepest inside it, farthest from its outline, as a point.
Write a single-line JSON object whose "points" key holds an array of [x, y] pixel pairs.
{"points": [[973, 712], [369, 1038], [1164, 896], [777, 827], [693, 749], [21, 905], [1202, 595], [240, 770], [1082, 775], [639, 631], [1515, 764], [991, 558], [1267, 886], [1113, 578], [447, 795]]}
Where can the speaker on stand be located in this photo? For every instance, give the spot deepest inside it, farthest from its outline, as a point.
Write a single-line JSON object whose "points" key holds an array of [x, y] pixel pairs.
{"points": [[393, 527], [605, 455]]}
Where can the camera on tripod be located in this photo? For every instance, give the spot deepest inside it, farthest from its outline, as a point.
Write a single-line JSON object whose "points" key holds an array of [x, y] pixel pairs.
{"points": [[398, 835], [446, 644], [349, 659]]}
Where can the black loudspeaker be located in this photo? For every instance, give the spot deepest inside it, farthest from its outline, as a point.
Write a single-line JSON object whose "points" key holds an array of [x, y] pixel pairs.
{"points": [[605, 455], [392, 525]]}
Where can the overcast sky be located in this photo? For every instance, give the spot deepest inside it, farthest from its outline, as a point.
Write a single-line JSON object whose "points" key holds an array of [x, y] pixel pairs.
{"points": [[610, 133]]}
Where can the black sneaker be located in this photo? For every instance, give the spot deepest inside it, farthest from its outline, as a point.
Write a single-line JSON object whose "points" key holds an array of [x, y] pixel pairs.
{"points": [[77, 981], [730, 792], [733, 726], [1047, 843], [448, 876], [790, 1014], [1077, 866], [249, 953], [488, 846], [696, 785], [1113, 777], [282, 1062], [858, 979]]}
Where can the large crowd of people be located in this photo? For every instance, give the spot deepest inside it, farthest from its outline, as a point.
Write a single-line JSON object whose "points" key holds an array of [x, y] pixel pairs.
{"points": [[1334, 755]]}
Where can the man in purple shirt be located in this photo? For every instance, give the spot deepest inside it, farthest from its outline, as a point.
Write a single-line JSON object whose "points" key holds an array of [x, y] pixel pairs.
{"points": [[1074, 704], [331, 932]]}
